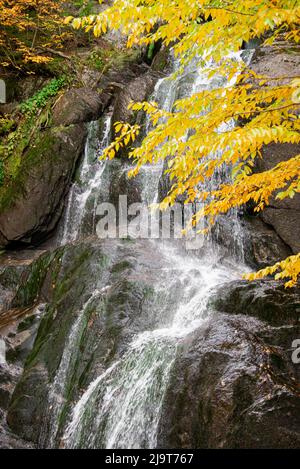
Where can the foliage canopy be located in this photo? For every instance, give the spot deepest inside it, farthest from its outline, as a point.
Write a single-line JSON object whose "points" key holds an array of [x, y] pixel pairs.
{"points": [[27, 28]]}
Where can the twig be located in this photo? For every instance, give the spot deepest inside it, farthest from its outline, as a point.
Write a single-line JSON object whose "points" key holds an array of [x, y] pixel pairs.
{"points": [[258, 111], [56, 52]]}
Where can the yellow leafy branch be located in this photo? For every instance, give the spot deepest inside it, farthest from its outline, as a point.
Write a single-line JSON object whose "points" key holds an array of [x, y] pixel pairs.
{"points": [[287, 269]]}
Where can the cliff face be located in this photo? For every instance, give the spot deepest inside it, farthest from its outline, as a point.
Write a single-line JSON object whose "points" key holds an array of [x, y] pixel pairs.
{"points": [[279, 61], [68, 314], [32, 201]]}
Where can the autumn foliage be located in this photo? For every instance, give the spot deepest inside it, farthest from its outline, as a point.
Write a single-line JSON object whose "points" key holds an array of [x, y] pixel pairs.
{"points": [[27, 29], [264, 110]]}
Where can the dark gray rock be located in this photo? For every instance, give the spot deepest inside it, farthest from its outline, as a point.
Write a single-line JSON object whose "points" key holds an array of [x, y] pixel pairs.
{"points": [[165, 184], [138, 89], [233, 383], [31, 206], [9, 376], [24, 273], [262, 245], [282, 215], [279, 61], [78, 105], [162, 62], [121, 184], [267, 300], [34, 202], [111, 283]]}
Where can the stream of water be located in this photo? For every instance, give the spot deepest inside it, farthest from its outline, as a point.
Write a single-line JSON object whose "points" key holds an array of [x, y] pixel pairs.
{"points": [[121, 408]]}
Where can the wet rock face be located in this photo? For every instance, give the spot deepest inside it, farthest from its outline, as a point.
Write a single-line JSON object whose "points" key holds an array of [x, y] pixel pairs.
{"points": [[138, 89], [283, 216], [262, 245], [233, 384], [33, 205], [110, 286], [265, 299], [278, 61], [10, 277], [122, 185], [20, 316], [9, 376]]}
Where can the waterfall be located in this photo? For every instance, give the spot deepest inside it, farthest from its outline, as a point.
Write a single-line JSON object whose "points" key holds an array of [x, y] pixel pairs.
{"points": [[59, 388], [121, 408]]}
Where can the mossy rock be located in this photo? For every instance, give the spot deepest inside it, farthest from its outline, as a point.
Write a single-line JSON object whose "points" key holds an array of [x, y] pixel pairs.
{"points": [[32, 202]]}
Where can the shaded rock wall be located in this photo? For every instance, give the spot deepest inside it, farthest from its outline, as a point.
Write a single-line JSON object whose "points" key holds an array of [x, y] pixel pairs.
{"points": [[138, 89], [233, 384], [32, 204], [283, 216]]}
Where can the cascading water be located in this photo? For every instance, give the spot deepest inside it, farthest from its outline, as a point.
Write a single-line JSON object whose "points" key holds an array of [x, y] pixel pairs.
{"points": [[82, 199], [58, 390], [121, 408]]}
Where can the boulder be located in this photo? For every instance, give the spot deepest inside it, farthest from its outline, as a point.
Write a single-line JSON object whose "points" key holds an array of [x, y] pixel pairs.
{"points": [[31, 206], [121, 184], [110, 286], [32, 203], [262, 245], [233, 383], [78, 105], [18, 328], [282, 215]]}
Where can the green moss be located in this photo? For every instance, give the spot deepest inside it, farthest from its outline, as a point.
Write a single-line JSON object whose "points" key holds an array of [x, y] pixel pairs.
{"points": [[63, 285], [26, 323], [121, 266], [97, 59], [32, 115], [11, 276], [29, 289], [6, 125], [41, 339], [102, 59], [56, 67], [85, 7]]}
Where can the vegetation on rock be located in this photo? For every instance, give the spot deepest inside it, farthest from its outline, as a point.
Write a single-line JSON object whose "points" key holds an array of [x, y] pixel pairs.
{"points": [[30, 116]]}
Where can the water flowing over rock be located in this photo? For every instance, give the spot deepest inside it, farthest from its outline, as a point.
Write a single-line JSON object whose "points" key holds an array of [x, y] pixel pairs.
{"points": [[232, 387], [144, 343], [138, 89], [33, 203]]}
